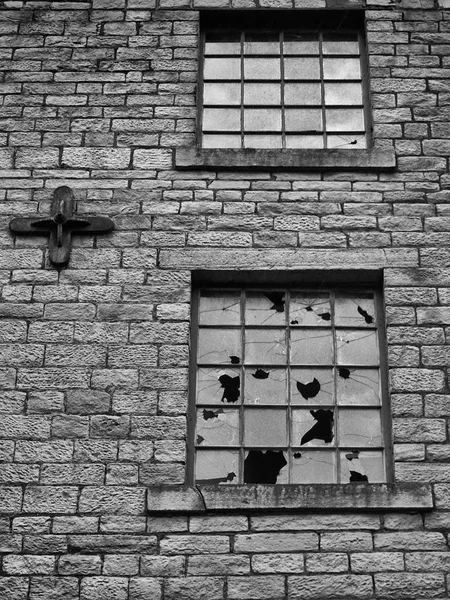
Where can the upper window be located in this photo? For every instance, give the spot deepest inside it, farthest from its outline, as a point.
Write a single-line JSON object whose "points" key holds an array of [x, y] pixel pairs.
{"points": [[291, 80], [288, 386]]}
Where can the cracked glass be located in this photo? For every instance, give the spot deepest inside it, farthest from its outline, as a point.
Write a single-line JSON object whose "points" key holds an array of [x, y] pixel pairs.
{"points": [[288, 387]]}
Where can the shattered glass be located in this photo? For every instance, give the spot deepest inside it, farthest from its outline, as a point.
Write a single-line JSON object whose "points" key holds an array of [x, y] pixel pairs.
{"points": [[362, 466], [354, 312], [312, 427], [218, 346], [312, 346], [217, 427], [265, 308], [218, 386], [357, 347], [220, 308], [265, 466], [265, 346], [265, 386], [312, 386], [358, 386], [310, 310], [217, 466]]}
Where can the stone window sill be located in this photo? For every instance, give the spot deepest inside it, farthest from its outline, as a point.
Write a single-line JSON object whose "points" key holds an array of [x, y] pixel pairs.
{"points": [[261, 497], [375, 159]]}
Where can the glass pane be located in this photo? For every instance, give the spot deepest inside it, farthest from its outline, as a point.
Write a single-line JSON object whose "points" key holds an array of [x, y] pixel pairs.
{"points": [[302, 93], [359, 466], [217, 466], [312, 427], [265, 427], [301, 68], [217, 427], [265, 346], [314, 467], [221, 141], [262, 119], [220, 308], [221, 119], [216, 386], [301, 44], [312, 386], [262, 93], [347, 141], [298, 119], [345, 119], [341, 68], [359, 427], [311, 347], [219, 346], [357, 347], [343, 93], [304, 141], [358, 386], [222, 68], [222, 93], [267, 308], [355, 311], [310, 309], [348, 44], [262, 68], [266, 466], [261, 44], [265, 386], [263, 141], [222, 44]]}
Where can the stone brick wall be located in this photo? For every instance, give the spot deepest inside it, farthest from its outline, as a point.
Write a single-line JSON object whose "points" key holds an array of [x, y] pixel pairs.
{"points": [[97, 95]]}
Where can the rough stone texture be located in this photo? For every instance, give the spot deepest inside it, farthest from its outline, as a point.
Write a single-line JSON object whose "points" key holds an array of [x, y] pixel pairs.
{"points": [[100, 95]]}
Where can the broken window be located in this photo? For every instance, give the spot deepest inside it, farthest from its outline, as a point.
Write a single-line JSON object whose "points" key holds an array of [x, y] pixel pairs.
{"points": [[288, 387], [283, 80]]}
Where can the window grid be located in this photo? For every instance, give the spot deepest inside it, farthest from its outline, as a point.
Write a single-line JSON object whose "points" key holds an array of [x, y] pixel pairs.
{"points": [[215, 133], [339, 408]]}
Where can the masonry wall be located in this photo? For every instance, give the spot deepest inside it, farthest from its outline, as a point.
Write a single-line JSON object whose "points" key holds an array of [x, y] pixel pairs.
{"points": [[94, 356]]}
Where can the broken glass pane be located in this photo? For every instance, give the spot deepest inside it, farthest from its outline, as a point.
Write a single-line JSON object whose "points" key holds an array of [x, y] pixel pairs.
{"points": [[262, 68], [217, 466], [313, 427], [343, 93], [217, 386], [267, 308], [222, 93], [222, 68], [301, 44], [265, 427], [265, 346], [316, 466], [217, 427], [265, 386], [304, 141], [262, 119], [359, 427], [308, 309], [341, 68], [358, 386], [265, 466], [302, 68], [312, 386], [303, 119], [357, 141], [219, 346], [221, 119], [262, 93], [302, 93], [359, 466], [311, 347], [355, 311], [345, 119], [357, 347], [261, 44], [220, 308], [263, 141]]}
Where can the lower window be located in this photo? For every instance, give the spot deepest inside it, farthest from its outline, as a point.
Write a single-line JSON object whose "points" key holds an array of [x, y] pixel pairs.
{"points": [[288, 386]]}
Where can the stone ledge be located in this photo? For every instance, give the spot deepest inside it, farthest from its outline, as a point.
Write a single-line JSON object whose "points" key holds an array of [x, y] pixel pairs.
{"points": [[286, 160], [262, 497]]}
